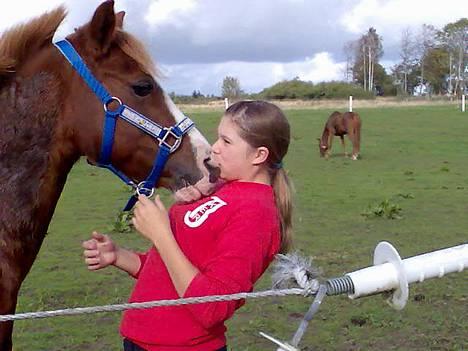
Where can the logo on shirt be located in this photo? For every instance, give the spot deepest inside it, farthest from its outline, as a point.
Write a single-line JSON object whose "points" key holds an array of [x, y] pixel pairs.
{"points": [[200, 214]]}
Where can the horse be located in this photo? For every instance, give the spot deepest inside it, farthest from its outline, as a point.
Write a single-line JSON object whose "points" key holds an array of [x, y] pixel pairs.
{"points": [[341, 124], [49, 118]]}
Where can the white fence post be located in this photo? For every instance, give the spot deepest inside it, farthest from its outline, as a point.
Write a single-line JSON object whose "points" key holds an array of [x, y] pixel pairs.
{"points": [[463, 103], [226, 103], [350, 103]]}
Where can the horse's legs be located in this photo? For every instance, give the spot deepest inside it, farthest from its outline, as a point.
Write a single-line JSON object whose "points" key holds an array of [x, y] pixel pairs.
{"points": [[6, 329], [16, 258], [330, 142], [10, 282], [354, 137], [343, 145]]}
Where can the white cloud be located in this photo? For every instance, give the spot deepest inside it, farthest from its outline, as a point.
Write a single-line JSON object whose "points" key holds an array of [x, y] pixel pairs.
{"points": [[169, 11], [321, 68], [253, 76], [14, 12], [390, 18], [261, 42]]}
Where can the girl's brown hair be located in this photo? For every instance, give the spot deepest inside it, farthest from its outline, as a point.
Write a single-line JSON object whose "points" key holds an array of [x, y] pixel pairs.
{"points": [[262, 123]]}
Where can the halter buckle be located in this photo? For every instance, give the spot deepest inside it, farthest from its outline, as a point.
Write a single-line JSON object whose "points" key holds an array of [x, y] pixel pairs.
{"points": [[177, 140]]}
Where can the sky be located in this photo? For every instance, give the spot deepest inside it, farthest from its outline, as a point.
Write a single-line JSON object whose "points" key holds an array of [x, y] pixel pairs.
{"points": [[196, 43]]}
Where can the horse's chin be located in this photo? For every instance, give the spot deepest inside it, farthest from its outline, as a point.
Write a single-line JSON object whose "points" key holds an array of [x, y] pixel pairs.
{"points": [[196, 191]]}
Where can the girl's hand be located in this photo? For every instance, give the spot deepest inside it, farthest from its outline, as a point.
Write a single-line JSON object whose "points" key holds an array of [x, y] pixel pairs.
{"points": [[151, 219], [99, 252]]}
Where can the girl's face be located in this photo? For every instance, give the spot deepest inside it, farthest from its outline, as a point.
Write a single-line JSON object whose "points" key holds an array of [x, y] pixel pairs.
{"points": [[232, 154]]}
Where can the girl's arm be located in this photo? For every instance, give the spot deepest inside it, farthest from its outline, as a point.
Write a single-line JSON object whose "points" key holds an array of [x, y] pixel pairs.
{"points": [[151, 220], [100, 252], [128, 261]]}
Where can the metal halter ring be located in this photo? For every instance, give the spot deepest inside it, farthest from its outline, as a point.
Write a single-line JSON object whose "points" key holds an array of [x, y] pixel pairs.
{"points": [[140, 188], [177, 138], [111, 100]]}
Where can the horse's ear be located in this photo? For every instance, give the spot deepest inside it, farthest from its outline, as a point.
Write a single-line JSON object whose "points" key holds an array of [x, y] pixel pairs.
{"points": [[102, 26], [119, 18]]}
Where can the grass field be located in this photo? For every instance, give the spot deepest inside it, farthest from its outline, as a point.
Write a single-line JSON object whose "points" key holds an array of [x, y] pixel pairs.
{"points": [[414, 157]]}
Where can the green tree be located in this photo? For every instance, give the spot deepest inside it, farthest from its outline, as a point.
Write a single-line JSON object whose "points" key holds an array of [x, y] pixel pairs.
{"points": [[368, 52], [297, 89], [426, 41], [408, 59], [196, 94], [454, 39], [231, 88], [436, 69]]}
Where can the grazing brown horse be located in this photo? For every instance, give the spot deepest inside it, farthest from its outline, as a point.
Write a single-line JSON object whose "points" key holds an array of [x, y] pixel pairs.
{"points": [[340, 124], [49, 118]]}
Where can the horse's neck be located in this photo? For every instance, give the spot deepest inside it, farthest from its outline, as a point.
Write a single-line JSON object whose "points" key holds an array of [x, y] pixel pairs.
{"points": [[34, 158], [325, 134]]}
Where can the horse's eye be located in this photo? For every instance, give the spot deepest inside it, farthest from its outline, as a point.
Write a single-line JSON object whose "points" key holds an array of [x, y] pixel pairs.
{"points": [[143, 88]]}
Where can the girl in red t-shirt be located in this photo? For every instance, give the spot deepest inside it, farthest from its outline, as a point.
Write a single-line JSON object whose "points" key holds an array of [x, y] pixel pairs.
{"points": [[220, 244]]}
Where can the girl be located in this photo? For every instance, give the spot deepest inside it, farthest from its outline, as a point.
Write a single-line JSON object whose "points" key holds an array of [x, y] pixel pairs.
{"points": [[219, 244]]}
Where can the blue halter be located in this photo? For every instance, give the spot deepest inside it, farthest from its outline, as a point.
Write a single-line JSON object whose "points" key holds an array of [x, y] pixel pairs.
{"points": [[132, 117]]}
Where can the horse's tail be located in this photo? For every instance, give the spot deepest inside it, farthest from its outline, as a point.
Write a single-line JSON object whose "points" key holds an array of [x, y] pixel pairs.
{"points": [[356, 126], [358, 136]]}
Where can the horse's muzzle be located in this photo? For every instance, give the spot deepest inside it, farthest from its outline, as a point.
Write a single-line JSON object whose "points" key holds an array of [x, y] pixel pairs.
{"points": [[214, 172]]}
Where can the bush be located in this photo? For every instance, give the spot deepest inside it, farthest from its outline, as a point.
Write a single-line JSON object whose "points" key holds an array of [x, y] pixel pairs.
{"points": [[385, 209], [122, 223], [297, 89]]}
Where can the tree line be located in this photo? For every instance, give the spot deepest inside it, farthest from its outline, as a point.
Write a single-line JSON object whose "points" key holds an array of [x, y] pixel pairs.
{"points": [[432, 61]]}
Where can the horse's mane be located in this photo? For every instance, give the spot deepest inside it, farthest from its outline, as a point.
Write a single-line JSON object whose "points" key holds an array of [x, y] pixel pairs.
{"points": [[19, 42], [135, 49]]}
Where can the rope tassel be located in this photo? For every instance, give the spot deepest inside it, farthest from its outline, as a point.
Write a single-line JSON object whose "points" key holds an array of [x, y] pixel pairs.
{"points": [[292, 270]]}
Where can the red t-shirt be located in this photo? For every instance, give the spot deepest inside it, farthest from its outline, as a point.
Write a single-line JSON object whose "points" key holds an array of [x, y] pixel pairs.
{"points": [[231, 237]]}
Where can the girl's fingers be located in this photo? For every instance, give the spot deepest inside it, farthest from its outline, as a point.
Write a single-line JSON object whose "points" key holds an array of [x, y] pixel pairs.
{"points": [[92, 261], [98, 236], [90, 253], [89, 244], [93, 267], [159, 203], [143, 199]]}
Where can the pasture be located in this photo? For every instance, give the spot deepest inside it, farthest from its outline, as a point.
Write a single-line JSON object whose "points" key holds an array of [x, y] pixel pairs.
{"points": [[413, 157]]}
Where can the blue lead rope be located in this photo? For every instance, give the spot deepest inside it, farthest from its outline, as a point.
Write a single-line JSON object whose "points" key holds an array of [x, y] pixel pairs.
{"points": [[132, 117]]}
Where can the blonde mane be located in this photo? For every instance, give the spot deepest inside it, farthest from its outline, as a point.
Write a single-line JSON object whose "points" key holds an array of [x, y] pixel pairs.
{"points": [[19, 42]]}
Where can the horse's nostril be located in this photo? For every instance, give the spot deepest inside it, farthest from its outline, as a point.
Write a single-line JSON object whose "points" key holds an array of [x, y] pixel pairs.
{"points": [[184, 181], [214, 172]]}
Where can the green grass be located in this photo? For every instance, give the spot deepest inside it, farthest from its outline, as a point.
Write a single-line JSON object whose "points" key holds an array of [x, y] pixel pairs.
{"points": [[414, 158]]}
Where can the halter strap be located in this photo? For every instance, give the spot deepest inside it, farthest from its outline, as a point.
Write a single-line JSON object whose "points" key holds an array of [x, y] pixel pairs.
{"points": [[158, 132], [76, 61]]}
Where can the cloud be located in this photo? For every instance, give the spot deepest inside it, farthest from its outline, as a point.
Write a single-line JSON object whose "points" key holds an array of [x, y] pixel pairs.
{"points": [[253, 76], [17, 12], [400, 13], [212, 31], [322, 68], [390, 18], [169, 12], [261, 42]]}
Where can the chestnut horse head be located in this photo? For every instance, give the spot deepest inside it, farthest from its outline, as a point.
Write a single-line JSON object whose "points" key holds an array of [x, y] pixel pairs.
{"points": [[50, 116], [121, 64]]}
